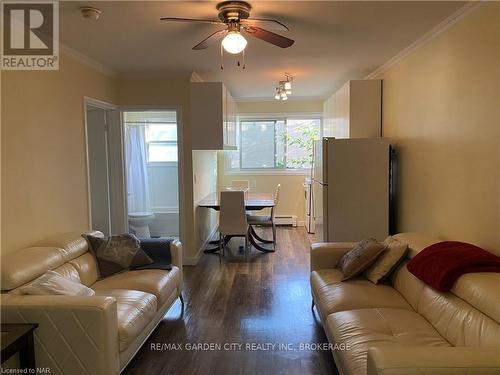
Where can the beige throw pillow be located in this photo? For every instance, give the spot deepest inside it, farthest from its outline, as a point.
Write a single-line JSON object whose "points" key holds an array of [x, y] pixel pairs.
{"points": [[385, 264], [362, 255], [51, 283]]}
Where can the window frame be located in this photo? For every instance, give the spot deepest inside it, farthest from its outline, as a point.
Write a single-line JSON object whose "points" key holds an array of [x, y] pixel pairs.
{"points": [[167, 143], [271, 117], [240, 149]]}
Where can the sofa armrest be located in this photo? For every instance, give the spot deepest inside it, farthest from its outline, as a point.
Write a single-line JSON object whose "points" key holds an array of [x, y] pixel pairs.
{"points": [[75, 335], [328, 254], [176, 253], [436, 360]]}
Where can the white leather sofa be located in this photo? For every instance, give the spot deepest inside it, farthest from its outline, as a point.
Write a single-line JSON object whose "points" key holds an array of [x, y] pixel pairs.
{"points": [[406, 327], [96, 335]]}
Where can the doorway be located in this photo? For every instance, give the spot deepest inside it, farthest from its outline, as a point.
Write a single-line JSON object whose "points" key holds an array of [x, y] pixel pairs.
{"points": [[151, 164], [105, 177]]}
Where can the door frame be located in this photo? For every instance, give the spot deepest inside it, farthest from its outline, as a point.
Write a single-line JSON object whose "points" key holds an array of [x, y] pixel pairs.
{"points": [[180, 154], [106, 106]]}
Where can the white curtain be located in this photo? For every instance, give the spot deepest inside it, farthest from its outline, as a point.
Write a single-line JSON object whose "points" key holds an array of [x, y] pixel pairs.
{"points": [[137, 168]]}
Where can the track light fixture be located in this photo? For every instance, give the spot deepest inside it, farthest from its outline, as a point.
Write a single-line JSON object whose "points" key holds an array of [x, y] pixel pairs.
{"points": [[284, 88]]}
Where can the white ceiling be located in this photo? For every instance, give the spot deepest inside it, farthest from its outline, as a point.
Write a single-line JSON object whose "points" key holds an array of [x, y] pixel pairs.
{"points": [[334, 40]]}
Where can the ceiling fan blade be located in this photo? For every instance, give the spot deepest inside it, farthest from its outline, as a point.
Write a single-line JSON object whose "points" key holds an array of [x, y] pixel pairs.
{"points": [[265, 23], [177, 19], [269, 36], [207, 42]]}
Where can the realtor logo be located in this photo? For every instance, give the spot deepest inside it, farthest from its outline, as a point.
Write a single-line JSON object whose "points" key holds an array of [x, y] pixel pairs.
{"points": [[30, 35]]}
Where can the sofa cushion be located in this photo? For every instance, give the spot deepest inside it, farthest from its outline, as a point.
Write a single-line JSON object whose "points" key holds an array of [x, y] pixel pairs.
{"points": [[22, 266], [135, 310], [362, 329], [72, 243], [87, 268], [407, 284], [158, 282], [481, 291], [332, 296], [69, 272], [457, 321]]}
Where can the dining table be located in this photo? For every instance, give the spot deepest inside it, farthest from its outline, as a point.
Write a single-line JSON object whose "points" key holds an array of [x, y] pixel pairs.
{"points": [[253, 202]]}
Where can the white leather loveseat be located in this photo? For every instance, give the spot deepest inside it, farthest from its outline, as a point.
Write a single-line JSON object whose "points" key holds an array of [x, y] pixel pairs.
{"points": [[95, 335], [406, 327]]}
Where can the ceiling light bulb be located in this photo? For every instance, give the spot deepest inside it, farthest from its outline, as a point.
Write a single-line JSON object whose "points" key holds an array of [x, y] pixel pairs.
{"points": [[283, 94], [277, 96], [234, 42], [284, 98], [288, 85], [288, 92]]}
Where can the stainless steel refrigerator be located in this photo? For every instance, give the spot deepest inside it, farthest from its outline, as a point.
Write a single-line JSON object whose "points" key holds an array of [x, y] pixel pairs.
{"points": [[351, 189]]}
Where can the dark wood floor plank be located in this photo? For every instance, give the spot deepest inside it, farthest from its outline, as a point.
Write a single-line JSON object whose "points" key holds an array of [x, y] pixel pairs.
{"points": [[254, 298]]}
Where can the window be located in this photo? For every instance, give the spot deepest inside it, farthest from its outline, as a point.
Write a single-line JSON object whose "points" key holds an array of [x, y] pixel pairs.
{"points": [[278, 144], [161, 141]]}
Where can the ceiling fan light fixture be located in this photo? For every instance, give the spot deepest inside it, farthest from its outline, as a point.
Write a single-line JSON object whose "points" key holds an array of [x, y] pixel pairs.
{"points": [[234, 42], [288, 85]]}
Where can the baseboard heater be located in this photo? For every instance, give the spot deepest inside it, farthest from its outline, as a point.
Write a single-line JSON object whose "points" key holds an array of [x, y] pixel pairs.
{"points": [[286, 220]]}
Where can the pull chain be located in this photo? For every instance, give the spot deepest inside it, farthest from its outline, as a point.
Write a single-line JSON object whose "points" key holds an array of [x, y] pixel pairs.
{"points": [[221, 57], [243, 60]]}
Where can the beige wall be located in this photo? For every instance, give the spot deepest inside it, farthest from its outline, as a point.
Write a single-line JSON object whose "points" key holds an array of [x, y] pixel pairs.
{"points": [[44, 178], [44, 186], [292, 191], [441, 106]]}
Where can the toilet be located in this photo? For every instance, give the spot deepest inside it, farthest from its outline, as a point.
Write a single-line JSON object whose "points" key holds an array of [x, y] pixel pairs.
{"points": [[139, 223]]}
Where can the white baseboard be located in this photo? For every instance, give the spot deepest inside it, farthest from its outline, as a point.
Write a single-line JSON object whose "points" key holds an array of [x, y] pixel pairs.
{"points": [[193, 261]]}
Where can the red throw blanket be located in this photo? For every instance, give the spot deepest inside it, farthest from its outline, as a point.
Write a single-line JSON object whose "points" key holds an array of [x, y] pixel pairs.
{"points": [[441, 264]]}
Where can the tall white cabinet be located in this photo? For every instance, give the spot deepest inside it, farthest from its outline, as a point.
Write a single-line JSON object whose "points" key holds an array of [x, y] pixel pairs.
{"points": [[354, 111], [213, 117]]}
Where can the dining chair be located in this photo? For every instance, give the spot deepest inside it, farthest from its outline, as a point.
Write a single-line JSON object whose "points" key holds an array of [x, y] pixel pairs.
{"points": [[243, 185], [232, 219], [267, 220]]}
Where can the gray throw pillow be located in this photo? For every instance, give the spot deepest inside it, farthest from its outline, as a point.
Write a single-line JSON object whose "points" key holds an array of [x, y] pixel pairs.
{"points": [[360, 257], [116, 253]]}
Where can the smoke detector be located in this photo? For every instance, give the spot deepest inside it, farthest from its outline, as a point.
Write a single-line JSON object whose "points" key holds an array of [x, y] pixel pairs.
{"points": [[90, 13]]}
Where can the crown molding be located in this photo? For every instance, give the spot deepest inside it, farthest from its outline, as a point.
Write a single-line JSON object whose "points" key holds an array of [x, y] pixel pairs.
{"points": [[195, 77], [427, 37], [84, 59]]}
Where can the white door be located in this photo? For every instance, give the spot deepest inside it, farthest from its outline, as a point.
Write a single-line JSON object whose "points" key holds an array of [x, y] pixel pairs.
{"points": [[116, 173], [97, 153]]}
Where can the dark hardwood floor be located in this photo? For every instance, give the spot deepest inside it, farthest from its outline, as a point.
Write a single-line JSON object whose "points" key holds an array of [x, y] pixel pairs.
{"points": [[260, 300]]}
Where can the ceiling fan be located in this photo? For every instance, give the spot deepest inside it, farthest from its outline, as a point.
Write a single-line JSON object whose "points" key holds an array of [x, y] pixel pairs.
{"points": [[234, 15]]}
